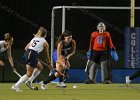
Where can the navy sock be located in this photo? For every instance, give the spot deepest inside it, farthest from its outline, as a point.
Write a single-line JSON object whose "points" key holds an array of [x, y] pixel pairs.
{"points": [[61, 79], [50, 78]]}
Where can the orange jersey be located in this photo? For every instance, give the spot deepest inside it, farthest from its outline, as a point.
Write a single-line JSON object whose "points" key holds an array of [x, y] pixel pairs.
{"points": [[100, 41]]}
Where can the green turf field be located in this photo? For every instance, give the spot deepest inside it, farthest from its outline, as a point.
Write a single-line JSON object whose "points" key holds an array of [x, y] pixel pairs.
{"points": [[83, 92]]}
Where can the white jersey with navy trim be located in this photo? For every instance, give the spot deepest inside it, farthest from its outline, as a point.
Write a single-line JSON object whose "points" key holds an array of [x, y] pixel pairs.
{"points": [[2, 49], [36, 44]]}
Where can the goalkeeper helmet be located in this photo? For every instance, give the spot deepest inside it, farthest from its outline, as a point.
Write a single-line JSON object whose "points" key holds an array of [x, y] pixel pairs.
{"points": [[101, 26]]}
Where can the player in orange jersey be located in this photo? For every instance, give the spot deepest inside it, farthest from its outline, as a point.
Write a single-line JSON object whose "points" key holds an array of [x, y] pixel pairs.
{"points": [[100, 44]]}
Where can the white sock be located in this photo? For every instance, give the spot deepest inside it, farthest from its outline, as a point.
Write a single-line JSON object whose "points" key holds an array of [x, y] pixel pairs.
{"points": [[35, 73], [21, 80]]}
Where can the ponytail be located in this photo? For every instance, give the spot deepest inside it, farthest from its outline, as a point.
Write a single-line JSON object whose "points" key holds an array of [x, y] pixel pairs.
{"points": [[41, 32]]}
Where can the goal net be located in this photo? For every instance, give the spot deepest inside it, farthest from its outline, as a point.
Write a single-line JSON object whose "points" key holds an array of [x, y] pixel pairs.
{"points": [[83, 20]]}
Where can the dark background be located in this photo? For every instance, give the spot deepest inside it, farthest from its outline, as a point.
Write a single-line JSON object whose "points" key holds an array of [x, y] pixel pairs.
{"points": [[22, 19]]}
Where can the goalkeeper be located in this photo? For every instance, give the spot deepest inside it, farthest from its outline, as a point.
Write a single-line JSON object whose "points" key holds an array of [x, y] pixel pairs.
{"points": [[100, 44]]}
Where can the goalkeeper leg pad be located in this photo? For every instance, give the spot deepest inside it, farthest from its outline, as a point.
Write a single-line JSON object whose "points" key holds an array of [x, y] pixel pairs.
{"points": [[105, 72], [93, 72]]}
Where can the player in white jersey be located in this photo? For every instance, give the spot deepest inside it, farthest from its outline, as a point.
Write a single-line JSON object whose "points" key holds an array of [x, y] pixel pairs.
{"points": [[5, 46], [33, 65]]}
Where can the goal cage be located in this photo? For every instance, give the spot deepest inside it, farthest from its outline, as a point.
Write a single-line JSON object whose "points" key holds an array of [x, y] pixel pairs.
{"points": [[82, 21]]}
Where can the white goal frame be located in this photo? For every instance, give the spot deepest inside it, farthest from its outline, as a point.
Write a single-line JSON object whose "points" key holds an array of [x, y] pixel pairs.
{"points": [[75, 7]]}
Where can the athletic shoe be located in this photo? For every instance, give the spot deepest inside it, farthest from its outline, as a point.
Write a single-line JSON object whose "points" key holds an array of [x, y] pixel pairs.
{"points": [[107, 82], [127, 80], [43, 86], [61, 84], [16, 88], [29, 84], [88, 81]]}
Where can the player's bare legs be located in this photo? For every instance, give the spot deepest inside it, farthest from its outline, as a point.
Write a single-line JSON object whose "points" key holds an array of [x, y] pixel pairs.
{"points": [[29, 71], [35, 73]]}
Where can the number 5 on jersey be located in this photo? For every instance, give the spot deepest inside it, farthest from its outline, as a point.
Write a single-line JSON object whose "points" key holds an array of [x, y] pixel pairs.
{"points": [[34, 43]]}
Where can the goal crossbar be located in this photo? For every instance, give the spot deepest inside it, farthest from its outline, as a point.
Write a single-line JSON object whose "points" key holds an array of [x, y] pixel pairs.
{"points": [[93, 7]]}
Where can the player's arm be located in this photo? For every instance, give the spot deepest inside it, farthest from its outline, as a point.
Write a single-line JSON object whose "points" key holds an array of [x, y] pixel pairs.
{"points": [[111, 46], [27, 46], [113, 52], [46, 49], [73, 50], [59, 48], [10, 58], [91, 41], [90, 52], [61, 59]]}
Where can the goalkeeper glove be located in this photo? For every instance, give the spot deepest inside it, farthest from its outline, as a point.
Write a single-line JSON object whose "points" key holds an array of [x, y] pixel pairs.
{"points": [[89, 54]]}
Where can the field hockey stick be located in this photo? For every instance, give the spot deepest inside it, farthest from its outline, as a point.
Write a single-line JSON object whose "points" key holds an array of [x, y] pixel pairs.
{"points": [[17, 73], [86, 66], [52, 68], [14, 70], [88, 57]]}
